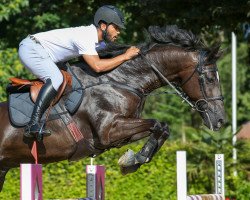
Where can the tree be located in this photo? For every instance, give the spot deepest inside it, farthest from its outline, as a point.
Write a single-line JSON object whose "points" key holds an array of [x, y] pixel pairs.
{"points": [[11, 8], [205, 17], [212, 20]]}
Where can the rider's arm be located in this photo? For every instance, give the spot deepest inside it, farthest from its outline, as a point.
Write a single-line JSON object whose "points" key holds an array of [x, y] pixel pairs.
{"points": [[102, 65]]}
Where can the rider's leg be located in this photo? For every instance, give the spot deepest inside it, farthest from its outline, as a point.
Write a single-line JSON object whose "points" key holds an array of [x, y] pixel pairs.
{"points": [[36, 59], [44, 99]]}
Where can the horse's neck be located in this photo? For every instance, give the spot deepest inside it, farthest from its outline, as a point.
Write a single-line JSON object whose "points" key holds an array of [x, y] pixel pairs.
{"points": [[134, 73], [139, 74], [169, 61]]}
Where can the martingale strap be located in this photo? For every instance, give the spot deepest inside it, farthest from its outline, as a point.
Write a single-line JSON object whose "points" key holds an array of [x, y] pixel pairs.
{"points": [[69, 123], [75, 132]]}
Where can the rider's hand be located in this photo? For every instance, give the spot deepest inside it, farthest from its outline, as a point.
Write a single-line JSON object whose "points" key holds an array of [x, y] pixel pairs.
{"points": [[131, 52]]}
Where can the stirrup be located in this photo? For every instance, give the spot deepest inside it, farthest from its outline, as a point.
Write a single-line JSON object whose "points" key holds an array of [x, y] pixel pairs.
{"points": [[36, 131]]}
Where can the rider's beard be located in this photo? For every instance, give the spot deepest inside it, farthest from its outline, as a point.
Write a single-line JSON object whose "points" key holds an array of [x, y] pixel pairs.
{"points": [[109, 38]]}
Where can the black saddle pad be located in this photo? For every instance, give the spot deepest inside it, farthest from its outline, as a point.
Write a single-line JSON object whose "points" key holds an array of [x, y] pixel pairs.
{"points": [[21, 105]]}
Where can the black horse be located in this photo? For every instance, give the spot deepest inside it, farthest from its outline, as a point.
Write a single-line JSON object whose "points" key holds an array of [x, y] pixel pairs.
{"points": [[109, 114]]}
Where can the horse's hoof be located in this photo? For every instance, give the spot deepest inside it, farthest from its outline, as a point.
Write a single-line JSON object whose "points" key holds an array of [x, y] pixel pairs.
{"points": [[130, 169], [127, 159]]}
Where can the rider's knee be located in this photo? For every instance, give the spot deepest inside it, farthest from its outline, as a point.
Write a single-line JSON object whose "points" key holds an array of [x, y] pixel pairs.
{"points": [[57, 80]]}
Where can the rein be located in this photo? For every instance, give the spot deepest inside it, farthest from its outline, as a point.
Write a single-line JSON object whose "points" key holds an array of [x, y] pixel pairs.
{"points": [[177, 90]]}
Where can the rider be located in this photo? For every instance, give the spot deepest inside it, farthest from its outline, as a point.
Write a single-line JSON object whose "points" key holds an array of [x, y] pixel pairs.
{"points": [[40, 52]]}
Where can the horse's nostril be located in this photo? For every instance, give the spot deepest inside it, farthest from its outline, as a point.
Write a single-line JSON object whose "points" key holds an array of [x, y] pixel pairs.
{"points": [[220, 123]]}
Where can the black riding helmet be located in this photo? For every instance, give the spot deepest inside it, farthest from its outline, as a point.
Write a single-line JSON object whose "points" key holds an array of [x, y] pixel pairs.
{"points": [[109, 14]]}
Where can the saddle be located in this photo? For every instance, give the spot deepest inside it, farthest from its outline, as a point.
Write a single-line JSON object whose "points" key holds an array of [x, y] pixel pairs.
{"points": [[18, 85]]}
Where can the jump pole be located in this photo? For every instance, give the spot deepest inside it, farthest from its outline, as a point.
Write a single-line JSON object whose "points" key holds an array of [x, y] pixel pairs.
{"points": [[95, 181], [31, 181], [31, 187], [181, 175], [182, 179]]}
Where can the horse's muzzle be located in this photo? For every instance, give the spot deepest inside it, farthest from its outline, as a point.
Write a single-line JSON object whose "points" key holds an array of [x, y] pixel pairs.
{"points": [[214, 116], [220, 123]]}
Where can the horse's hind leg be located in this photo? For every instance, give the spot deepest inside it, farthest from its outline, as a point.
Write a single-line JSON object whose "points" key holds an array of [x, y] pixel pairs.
{"points": [[130, 162], [3, 173]]}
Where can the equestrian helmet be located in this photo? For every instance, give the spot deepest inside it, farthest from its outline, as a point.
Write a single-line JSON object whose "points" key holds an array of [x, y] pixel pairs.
{"points": [[109, 14]]}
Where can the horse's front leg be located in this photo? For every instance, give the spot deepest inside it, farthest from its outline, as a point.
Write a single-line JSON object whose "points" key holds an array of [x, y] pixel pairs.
{"points": [[124, 129], [130, 162], [160, 134]]}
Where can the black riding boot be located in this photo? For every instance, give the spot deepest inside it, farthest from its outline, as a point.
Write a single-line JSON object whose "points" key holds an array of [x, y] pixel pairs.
{"points": [[44, 99]]}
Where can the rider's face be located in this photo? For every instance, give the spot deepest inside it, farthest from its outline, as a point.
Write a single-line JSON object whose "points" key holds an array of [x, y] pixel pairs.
{"points": [[113, 32]]}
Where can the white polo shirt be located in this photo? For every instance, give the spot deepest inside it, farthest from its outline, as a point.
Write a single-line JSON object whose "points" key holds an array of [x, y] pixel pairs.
{"points": [[64, 44]]}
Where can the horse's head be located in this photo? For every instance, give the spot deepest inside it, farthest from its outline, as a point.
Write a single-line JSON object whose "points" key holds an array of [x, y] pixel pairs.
{"points": [[182, 58], [202, 85]]}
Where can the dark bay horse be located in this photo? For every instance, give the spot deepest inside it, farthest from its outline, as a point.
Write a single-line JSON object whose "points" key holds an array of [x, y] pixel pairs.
{"points": [[109, 115]]}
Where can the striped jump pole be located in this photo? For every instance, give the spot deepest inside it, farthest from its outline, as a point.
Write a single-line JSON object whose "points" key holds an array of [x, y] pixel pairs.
{"points": [[219, 174], [95, 181], [182, 179], [31, 187], [31, 181], [181, 175], [205, 197]]}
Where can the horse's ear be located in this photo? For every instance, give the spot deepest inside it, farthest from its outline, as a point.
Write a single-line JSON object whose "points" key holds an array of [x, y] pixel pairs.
{"points": [[214, 53]]}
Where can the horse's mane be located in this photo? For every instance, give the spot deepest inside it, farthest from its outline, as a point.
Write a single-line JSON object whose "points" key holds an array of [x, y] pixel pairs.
{"points": [[168, 35], [172, 35]]}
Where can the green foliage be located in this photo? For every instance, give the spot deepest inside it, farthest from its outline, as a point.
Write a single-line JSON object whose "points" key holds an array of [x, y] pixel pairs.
{"points": [[9, 8], [155, 180], [47, 19], [243, 76], [138, 14], [241, 183], [10, 66], [165, 108]]}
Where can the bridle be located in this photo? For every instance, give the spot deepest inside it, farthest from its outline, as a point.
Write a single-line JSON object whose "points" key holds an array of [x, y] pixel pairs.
{"points": [[201, 70]]}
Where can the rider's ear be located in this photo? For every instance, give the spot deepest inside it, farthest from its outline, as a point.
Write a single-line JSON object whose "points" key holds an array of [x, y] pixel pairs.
{"points": [[102, 26]]}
